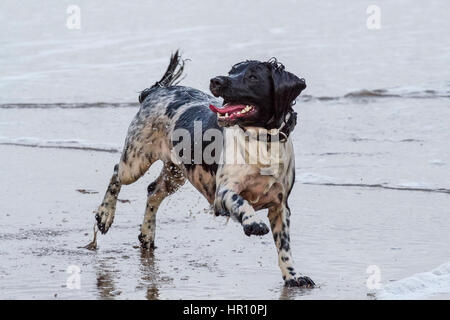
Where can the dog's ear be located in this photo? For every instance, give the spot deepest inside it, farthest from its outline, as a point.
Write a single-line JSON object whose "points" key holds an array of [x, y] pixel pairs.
{"points": [[286, 88]]}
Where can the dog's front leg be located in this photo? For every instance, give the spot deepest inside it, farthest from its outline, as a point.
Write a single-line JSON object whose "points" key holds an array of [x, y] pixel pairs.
{"points": [[279, 222], [229, 202]]}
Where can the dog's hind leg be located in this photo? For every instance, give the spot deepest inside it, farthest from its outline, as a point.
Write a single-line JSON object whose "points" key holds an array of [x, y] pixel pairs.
{"points": [[279, 222], [133, 164], [170, 180], [105, 213]]}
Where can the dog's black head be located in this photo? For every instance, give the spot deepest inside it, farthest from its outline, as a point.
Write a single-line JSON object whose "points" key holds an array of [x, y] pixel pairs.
{"points": [[256, 93]]}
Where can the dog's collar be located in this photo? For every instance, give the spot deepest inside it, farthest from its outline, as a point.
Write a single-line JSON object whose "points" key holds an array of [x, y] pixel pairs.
{"points": [[280, 134]]}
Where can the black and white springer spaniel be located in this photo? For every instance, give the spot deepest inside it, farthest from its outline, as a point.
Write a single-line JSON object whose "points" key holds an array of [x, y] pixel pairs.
{"points": [[257, 106]]}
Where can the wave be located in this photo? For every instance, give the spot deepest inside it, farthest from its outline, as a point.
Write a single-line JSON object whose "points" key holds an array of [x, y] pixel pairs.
{"points": [[380, 186], [319, 180], [69, 105], [59, 144], [422, 285], [399, 92], [359, 95], [305, 178]]}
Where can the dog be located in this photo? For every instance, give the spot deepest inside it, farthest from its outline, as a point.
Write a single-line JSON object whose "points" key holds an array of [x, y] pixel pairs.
{"points": [[257, 100]]}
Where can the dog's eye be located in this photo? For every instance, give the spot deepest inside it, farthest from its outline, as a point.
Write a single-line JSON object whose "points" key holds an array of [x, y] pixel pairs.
{"points": [[253, 77]]}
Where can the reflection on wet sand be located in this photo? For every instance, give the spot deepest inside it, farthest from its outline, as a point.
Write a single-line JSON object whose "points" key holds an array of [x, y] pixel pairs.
{"points": [[105, 283], [149, 281], [149, 274], [288, 293]]}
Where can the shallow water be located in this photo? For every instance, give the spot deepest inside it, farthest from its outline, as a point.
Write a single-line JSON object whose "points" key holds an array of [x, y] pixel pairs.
{"points": [[372, 155], [347, 214], [122, 48]]}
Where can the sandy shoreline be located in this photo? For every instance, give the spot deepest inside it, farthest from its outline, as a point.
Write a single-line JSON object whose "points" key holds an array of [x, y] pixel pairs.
{"points": [[337, 233], [338, 227], [371, 146]]}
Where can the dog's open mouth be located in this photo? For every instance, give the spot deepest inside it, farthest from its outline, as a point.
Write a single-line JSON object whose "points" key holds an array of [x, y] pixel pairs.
{"points": [[232, 112]]}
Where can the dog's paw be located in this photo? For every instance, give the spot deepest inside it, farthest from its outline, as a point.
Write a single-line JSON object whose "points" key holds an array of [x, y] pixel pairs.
{"points": [[146, 242], [256, 228], [221, 212], [104, 219], [300, 281]]}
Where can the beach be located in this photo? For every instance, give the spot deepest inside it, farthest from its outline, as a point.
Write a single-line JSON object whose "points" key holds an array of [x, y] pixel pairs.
{"points": [[371, 146]]}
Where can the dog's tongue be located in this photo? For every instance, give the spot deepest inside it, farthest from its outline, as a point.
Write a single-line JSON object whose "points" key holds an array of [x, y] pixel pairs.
{"points": [[227, 108]]}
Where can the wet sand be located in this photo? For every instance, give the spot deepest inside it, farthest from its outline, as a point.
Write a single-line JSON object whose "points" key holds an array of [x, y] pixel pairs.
{"points": [[338, 229], [372, 156]]}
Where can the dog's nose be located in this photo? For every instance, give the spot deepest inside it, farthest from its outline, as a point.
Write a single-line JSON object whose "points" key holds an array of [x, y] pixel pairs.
{"points": [[216, 85], [303, 82], [217, 81]]}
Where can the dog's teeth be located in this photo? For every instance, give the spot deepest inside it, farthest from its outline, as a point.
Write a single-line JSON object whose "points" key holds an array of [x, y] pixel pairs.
{"points": [[226, 115]]}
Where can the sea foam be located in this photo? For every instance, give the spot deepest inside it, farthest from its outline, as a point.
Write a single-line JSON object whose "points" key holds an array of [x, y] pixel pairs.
{"points": [[422, 285]]}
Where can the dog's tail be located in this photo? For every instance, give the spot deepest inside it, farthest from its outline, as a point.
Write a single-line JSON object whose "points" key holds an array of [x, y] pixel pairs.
{"points": [[172, 74]]}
